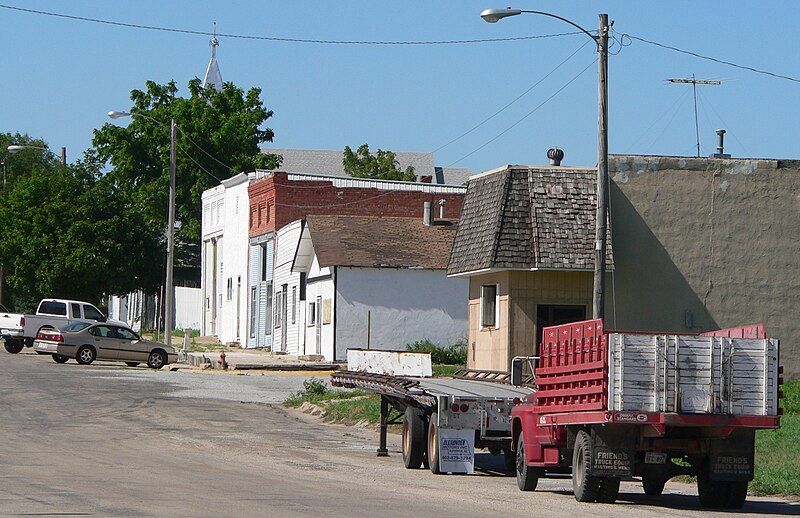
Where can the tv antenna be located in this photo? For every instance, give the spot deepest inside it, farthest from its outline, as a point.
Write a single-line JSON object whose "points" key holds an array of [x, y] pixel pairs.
{"points": [[694, 82]]}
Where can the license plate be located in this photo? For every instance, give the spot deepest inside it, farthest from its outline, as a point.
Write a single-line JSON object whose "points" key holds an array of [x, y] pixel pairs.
{"points": [[655, 457]]}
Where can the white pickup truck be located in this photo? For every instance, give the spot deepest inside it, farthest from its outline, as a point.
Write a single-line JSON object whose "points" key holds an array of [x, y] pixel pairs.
{"points": [[11, 325], [53, 314]]}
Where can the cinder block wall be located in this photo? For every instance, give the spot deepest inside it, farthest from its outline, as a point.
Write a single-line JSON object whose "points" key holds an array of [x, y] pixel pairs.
{"points": [[705, 243]]}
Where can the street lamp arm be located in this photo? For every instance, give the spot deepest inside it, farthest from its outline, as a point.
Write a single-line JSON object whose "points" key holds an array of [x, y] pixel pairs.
{"points": [[557, 17], [15, 149], [117, 115]]}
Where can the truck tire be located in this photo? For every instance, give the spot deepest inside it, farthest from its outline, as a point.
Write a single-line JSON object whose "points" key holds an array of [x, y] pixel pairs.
{"points": [[737, 494], [13, 346], [413, 437], [527, 477], [585, 487], [85, 355], [60, 358], [433, 445], [653, 486], [609, 490], [713, 493]]}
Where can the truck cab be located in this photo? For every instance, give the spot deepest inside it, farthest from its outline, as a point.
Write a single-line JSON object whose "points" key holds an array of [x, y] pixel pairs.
{"points": [[55, 314]]}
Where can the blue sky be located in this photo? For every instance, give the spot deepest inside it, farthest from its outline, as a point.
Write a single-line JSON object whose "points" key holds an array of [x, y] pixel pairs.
{"points": [[60, 77]]}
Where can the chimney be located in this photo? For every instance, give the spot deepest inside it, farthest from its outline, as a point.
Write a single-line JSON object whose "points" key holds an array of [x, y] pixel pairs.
{"points": [[442, 203], [427, 214], [720, 145], [555, 155]]}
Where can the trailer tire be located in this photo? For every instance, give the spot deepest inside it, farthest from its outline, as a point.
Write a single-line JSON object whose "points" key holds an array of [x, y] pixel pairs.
{"points": [[653, 486], [585, 487], [713, 494], [433, 445], [413, 438], [527, 477], [609, 490], [14, 346], [737, 494]]}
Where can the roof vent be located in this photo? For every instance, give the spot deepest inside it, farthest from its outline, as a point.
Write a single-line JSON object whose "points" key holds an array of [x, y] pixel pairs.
{"points": [[720, 145], [555, 155]]}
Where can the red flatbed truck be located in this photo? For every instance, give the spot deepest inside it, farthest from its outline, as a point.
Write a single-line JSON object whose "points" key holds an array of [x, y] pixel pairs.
{"points": [[610, 405]]}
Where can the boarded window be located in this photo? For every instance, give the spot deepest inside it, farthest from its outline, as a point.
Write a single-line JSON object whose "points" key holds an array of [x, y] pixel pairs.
{"points": [[489, 305], [326, 311]]}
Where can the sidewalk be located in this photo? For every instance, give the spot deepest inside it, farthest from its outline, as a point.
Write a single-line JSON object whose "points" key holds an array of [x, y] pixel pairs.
{"points": [[252, 359]]}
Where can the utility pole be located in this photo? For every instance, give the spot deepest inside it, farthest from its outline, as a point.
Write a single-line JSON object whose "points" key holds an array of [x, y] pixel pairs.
{"points": [[694, 82], [2, 270], [169, 291], [598, 301]]}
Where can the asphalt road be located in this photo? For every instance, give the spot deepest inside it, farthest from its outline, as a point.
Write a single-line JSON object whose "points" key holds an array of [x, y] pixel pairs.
{"points": [[109, 441]]}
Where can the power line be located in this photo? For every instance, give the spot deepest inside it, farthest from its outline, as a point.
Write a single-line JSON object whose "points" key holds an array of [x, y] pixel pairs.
{"points": [[280, 39], [658, 119], [520, 96], [524, 117], [669, 123], [709, 58]]}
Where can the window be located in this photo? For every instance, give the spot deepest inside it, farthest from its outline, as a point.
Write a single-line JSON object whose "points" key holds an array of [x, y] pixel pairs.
{"points": [[76, 310], [48, 307], [253, 311], [279, 302], [489, 305], [103, 331], [555, 315], [75, 327], [294, 304], [312, 314], [268, 315], [303, 283], [230, 288], [126, 334], [92, 313], [264, 262], [3, 309]]}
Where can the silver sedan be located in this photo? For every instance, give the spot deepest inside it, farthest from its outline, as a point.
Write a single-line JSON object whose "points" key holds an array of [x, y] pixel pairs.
{"points": [[102, 341]]}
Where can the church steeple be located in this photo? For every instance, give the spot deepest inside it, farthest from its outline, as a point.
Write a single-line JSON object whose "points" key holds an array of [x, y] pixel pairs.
{"points": [[213, 76]]}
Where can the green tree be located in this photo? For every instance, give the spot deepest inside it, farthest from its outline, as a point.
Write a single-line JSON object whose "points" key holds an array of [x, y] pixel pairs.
{"points": [[219, 134], [381, 165]]}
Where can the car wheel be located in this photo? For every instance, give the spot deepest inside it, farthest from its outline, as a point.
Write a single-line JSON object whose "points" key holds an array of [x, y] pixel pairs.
{"points": [[156, 360], [60, 358], [132, 364], [14, 346], [85, 355]]}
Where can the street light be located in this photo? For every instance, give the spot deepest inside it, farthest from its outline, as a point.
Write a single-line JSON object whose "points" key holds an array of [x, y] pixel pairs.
{"points": [[601, 39], [168, 289], [17, 149]]}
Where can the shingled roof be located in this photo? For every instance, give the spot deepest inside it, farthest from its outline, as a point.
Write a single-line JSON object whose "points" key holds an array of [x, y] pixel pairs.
{"points": [[523, 217], [380, 242]]}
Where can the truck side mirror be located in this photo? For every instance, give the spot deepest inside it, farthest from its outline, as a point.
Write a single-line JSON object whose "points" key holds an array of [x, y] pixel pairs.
{"points": [[518, 364]]}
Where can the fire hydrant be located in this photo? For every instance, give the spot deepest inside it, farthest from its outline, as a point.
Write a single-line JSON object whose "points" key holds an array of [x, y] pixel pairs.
{"points": [[221, 362]]}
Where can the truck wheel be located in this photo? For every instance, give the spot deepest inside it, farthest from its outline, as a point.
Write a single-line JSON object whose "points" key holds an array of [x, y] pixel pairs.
{"points": [[433, 445], [527, 477], [86, 355], [737, 494], [60, 358], [713, 494], [585, 487], [413, 438], [609, 490], [653, 486], [13, 346]]}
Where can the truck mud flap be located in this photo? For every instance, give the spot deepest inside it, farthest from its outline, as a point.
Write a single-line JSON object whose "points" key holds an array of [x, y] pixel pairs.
{"points": [[613, 450], [732, 458]]}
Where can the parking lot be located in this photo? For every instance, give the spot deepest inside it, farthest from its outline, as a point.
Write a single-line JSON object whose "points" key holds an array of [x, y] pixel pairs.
{"points": [[106, 440]]}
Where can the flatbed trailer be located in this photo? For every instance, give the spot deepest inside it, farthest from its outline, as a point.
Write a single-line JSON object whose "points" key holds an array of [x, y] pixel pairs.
{"points": [[611, 405], [444, 419]]}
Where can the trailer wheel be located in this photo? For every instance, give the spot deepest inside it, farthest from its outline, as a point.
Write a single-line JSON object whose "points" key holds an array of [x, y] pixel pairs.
{"points": [[585, 487], [433, 445], [413, 438], [653, 486], [609, 490], [14, 346], [527, 477]]}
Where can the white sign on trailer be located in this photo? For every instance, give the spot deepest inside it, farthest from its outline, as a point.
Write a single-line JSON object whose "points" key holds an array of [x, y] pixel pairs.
{"points": [[456, 450]]}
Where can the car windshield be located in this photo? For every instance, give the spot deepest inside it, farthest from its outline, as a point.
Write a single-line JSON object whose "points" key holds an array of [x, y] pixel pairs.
{"points": [[75, 326], [3, 309]]}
